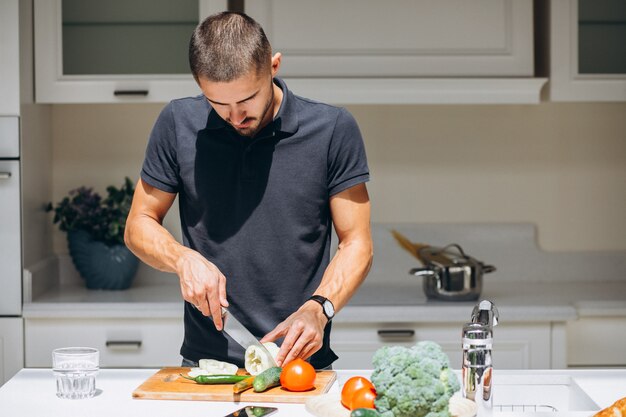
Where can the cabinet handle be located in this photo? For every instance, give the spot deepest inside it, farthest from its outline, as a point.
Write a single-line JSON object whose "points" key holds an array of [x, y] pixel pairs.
{"points": [[123, 344], [5, 175], [130, 92], [396, 333]]}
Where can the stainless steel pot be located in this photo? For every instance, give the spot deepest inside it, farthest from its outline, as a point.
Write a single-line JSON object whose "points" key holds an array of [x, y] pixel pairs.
{"points": [[449, 274]]}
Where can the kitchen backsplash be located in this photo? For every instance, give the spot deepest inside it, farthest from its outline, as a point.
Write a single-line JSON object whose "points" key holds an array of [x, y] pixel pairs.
{"points": [[560, 166], [510, 247]]}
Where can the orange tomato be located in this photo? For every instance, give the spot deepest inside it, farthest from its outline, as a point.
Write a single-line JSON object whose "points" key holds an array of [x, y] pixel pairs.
{"points": [[351, 386], [297, 375], [363, 398]]}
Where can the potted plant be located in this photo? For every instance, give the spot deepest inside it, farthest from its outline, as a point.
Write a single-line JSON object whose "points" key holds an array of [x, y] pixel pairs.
{"points": [[95, 235]]}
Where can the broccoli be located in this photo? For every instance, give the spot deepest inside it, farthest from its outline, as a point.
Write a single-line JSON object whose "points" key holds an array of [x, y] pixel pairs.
{"points": [[413, 382]]}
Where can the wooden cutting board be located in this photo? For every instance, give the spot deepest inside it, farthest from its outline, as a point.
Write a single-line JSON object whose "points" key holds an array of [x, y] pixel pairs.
{"points": [[167, 384]]}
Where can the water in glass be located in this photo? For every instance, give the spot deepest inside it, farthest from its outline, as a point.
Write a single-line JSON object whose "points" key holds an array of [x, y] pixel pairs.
{"points": [[75, 370]]}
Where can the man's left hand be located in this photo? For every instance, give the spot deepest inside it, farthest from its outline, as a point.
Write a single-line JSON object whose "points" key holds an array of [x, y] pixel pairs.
{"points": [[303, 332]]}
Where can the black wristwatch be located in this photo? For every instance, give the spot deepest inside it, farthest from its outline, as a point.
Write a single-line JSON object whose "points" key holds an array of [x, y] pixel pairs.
{"points": [[327, 306]]}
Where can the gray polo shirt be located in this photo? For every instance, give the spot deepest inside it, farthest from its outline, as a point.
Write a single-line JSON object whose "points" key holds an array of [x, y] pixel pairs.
{"points": [[258, 208]]}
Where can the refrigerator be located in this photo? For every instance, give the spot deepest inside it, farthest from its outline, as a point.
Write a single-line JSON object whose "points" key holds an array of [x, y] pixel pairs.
{"points": [[11, 325]]}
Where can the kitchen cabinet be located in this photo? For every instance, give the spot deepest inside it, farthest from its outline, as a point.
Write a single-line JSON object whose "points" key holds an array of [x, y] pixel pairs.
{"points": [[122, 343], [340, 52], [587, 50], [516, 346], [9, 52], [11, 347], [597, 341], [10, 218], [10, 239], [115, 51], [402, 38], [404, 51]]}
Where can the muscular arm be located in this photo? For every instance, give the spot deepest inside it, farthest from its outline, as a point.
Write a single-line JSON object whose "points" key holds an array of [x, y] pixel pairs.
{"points": [[303, 330], [201, 282], [350, 211]]}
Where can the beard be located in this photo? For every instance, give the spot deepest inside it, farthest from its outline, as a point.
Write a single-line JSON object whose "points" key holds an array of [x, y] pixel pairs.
{"points": [[257, 125]]}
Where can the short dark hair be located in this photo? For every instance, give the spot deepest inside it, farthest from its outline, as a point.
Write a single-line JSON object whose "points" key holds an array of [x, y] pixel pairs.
{"points": [[226, 46]]}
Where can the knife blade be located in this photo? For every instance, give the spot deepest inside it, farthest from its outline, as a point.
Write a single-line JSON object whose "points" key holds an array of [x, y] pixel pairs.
{"points": [[240, 334]]}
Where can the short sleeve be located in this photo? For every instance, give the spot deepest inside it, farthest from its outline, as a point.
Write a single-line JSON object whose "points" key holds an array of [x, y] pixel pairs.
{"points": [[347, 161], [160, 167]]}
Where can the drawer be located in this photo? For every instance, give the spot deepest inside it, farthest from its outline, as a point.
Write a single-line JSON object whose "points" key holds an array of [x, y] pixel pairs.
{"points": [[596, 341], [11, 347], [516, 346], [9, 137], [123, 343], [356, 343]]}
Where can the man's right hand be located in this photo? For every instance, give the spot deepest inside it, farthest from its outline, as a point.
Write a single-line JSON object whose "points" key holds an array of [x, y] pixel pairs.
{"points": [[202, 284]]}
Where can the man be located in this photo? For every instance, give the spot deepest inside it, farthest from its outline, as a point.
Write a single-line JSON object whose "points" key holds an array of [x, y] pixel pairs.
{"points": [[260, 174]]}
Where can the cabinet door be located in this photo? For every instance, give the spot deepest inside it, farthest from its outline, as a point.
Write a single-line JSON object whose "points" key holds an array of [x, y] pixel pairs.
{"points": [[356, 343], [516, 346], [115, 51], [400, 38], [11, 348], [597, 341], [587, 50], [121, 342], [9, 62]]}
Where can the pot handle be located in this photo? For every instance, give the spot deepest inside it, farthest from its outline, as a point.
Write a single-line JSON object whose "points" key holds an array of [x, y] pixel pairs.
{"points": [[457, 246], [423, 272], [488, 268]]}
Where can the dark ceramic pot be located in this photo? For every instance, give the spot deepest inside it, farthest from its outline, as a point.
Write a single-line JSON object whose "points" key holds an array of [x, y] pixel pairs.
{"points": [[102, 266]]}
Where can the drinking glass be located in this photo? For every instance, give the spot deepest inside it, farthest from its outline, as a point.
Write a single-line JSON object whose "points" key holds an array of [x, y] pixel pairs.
{"points": [[75, 369]]}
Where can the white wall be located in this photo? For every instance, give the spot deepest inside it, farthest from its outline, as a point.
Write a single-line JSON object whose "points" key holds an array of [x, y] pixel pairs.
{"points": [[561, 166]]}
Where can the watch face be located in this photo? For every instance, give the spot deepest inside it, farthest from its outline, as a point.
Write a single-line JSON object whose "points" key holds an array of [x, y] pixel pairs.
{"points": [[329, 309]]}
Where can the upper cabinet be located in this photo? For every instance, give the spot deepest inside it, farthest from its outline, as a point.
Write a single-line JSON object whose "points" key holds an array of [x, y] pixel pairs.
{"points": [[588, 50], [400, 38], [352, 51], [115, 50], [9, 59], [404, 51]]}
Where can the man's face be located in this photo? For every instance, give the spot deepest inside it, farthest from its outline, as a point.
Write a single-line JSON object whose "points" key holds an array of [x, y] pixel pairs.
{"points": [[245, 103]]}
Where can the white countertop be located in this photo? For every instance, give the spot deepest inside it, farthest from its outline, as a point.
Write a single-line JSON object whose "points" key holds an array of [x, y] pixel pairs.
{"points": [[32, 393], [394, 302]]}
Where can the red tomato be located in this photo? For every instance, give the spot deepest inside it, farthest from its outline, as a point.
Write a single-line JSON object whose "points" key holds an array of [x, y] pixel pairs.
{"points": [[297, 375], [351, 386], [363, 398]]}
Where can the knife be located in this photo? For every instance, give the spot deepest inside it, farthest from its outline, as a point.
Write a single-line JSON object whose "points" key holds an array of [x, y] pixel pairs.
{"points": [[241, 335]]}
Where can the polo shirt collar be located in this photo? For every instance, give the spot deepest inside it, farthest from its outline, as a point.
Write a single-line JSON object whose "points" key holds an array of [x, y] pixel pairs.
{"points": [[286, 119]]}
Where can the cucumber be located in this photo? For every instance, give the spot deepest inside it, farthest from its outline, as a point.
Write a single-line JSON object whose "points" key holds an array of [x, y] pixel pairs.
{"points": [[267, 379], [364, 412]]}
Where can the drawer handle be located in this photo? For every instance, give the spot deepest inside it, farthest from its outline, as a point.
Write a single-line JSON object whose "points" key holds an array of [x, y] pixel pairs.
{"points": [[396, 333], [5, 175], [130, 93], [123, 344]]}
